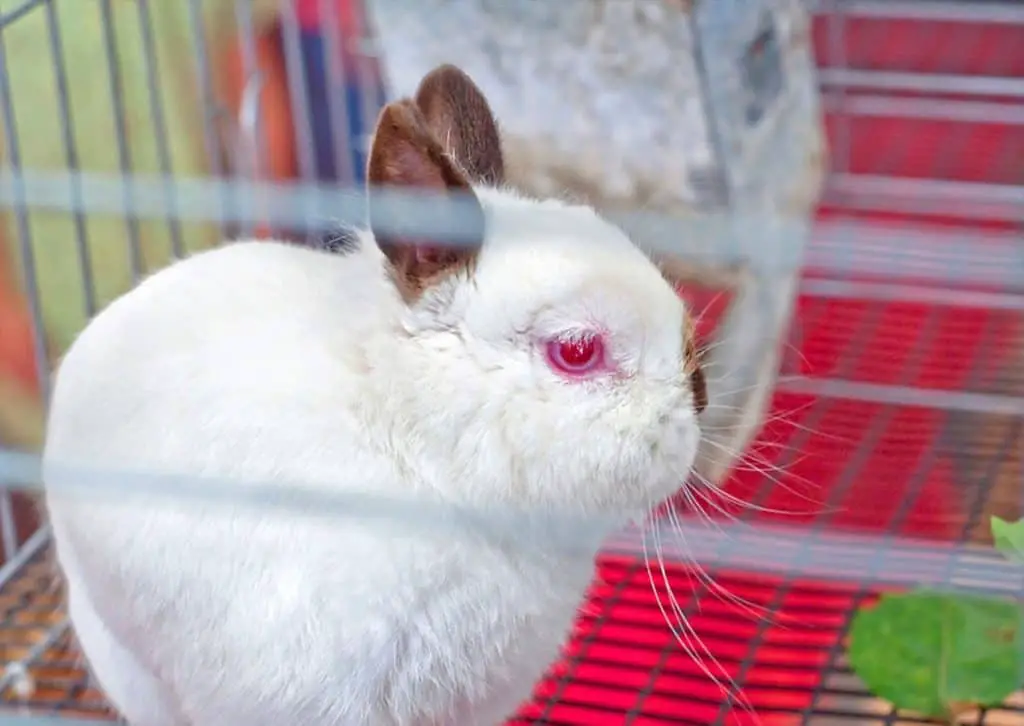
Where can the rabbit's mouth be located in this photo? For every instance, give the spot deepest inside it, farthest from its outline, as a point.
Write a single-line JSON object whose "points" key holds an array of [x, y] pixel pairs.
{"points": [[674, 451]]}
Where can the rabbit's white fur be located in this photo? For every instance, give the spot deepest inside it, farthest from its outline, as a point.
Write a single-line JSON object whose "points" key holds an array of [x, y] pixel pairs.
{"points": [[263, 362]]}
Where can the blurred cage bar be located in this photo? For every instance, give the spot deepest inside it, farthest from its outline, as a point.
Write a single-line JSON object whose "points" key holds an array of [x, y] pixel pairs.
{"points": [[895, 429]]}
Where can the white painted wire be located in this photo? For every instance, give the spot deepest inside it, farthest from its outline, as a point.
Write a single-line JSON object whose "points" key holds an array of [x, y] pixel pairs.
{"points": [[770, 549], [993, 260]]}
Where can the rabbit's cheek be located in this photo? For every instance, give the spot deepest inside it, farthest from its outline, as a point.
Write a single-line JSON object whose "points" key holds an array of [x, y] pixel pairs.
{"points": [[680, 438]]}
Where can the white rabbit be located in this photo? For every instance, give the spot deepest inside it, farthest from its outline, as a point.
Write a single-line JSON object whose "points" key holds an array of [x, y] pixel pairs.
{"points": [[550, 367]]}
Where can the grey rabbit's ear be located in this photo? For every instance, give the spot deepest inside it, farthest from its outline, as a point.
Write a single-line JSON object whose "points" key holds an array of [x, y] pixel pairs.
{"points": [[461, 119], [406, 155]]}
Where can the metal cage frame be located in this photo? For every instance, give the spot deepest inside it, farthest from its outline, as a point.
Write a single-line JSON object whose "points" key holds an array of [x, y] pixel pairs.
{"points": [[899, 382]]}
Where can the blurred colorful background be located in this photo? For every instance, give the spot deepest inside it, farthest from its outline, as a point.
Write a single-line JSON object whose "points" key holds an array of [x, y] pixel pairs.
{"points": [[161, 78]]}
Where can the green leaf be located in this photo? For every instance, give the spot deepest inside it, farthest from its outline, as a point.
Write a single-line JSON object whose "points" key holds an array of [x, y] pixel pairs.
{"points": [[931, 652], [1009, 538]]}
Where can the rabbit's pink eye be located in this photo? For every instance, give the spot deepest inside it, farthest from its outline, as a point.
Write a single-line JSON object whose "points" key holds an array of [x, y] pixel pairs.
{"points": [[576, 356]]}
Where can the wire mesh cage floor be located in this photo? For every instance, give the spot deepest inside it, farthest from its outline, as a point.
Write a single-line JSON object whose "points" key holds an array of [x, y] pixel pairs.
{"points": [[902, 414]]}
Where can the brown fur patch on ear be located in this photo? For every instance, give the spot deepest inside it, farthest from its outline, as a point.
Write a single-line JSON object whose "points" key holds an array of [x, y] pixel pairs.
{"points": [[692, 366], [461, 119], [406, 154]]}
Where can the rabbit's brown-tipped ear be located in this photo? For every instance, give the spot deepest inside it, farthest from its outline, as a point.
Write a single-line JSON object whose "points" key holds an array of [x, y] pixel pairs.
{"points": [[461, 119], [406, 155]]}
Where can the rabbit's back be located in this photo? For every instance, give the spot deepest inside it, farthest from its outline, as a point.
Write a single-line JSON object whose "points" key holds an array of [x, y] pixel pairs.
{"points": [[232, 365], [254, 331]]}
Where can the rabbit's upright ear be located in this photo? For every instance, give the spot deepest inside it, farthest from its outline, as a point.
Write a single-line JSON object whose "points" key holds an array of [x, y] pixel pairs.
{"points": [[462, 120], [406, 155]]}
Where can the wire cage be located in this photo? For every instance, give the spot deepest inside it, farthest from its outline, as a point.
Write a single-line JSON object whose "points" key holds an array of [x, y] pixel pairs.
{"points": [[884, 304]]}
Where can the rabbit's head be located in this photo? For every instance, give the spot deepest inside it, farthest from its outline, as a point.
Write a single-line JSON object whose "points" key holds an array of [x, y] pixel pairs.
{"points": [[547, 363]]}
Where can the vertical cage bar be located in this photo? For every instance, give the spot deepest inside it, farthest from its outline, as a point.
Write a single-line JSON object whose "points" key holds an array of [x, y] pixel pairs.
{"points": [[711, 112], [211, 139], [8, 528], [370, 74], [298, 88], [121, 133], [340, 113], [156, 107], [24, 227], [298, 85], [252, 127], [71, 157], [251, 156]]}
